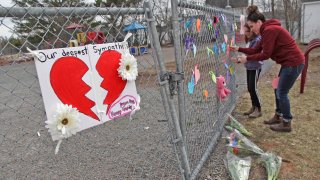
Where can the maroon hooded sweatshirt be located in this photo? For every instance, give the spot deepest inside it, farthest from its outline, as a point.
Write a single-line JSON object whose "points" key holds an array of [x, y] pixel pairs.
{"points": [[277, 44]]}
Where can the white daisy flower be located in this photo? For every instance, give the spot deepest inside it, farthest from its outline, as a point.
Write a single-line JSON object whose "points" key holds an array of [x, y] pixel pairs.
{"points": [[128, 69], [65, 122]]}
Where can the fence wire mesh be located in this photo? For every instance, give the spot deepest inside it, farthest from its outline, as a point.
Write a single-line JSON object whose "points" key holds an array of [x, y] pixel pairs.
{"points": [[205, 34], [137, 149]]}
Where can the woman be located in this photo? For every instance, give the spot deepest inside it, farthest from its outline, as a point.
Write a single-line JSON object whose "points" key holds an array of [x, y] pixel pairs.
{"points": [[253, 72], [276, 43]]}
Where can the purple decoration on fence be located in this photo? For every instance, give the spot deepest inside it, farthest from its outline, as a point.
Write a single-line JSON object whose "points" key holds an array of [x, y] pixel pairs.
{"points": [[228, 76], [217, 33], [188, 42]]}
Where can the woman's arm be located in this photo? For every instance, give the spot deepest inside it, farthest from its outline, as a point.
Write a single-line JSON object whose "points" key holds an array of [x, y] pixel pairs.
{"points": [[253, 50], [267, 46]]}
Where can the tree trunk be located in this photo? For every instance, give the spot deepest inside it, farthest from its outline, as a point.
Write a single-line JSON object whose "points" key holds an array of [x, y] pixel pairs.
{"points": [[162, 37], [299, 21], [286, 9], [272, 8]]}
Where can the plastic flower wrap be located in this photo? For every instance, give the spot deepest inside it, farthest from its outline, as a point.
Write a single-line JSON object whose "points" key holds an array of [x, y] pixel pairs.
{"points": [[240, 145], [128, 69], [273, 164], [234, 124], [234, 145], [238, 168]]}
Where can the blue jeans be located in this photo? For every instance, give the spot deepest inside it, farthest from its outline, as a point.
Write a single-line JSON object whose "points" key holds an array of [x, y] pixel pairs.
{"points": [[288, 76]]}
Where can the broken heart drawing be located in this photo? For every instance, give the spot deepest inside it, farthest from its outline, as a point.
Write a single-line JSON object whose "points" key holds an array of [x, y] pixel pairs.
{"points": [[112, 82], [69, 86], [87, 78]]}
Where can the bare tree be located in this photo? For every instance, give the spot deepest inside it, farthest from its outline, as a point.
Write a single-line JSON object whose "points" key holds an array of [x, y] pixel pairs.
{"points": [[288, 11], [292, 12], [272, 8], [263, 5], [162, 13]]}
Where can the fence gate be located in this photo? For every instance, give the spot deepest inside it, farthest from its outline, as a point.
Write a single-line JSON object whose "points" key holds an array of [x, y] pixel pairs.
{"points": [[202, 35], [178, 125]]}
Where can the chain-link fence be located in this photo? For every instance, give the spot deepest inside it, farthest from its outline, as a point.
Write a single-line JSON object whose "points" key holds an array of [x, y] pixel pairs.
{"points": [[169, 138], [137, 149], [205, 34]]}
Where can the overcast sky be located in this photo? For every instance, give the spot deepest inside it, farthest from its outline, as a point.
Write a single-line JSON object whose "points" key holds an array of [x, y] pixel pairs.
{"points": [[5, 3], [7, 21]]}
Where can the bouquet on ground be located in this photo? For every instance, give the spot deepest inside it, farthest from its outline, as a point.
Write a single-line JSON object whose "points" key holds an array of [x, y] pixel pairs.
{"points": [[272, 163], [238, 144], [238, 168], [234, 124]]}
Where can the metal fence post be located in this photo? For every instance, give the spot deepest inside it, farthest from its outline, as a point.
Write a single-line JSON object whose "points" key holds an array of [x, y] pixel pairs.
{"points": [[177, 47], [164, 82]]}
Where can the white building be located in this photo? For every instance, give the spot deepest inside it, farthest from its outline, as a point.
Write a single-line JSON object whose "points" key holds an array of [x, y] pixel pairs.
{"points": [[310, 24]]}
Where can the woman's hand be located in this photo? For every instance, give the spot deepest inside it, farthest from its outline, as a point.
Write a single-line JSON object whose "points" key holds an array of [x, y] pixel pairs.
{"points": [[239, 59], [234, 48]]}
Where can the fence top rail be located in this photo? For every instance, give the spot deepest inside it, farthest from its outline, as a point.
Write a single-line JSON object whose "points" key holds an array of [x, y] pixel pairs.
{"points": [[66, 11], [207, 8]]}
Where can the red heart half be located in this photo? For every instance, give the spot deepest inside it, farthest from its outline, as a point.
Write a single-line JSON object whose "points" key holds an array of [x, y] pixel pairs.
{"points": [[66, 80], [107, 67]]}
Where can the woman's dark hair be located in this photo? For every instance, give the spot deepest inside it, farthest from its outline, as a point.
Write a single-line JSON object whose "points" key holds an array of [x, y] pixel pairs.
{"points": [[253, 34], [254, 15]]}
